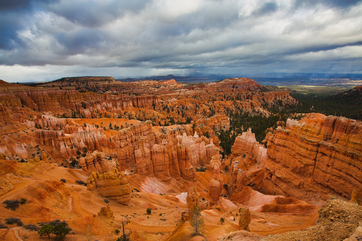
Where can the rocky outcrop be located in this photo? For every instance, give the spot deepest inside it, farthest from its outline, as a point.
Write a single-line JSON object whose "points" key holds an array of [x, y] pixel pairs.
{"points": [[112, 184], [217, 182], [245, 218], [96, 162], [143, 159], [357, 196], [161, 162], [193, 198], [246, 144], [106, 212], [217, 121], [247, 162], [134, 147], [315, 156], [338, 220]]}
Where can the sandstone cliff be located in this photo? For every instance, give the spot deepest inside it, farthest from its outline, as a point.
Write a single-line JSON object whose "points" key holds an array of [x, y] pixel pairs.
{"points": [[317, 155], [137, 148], [247, 161]]}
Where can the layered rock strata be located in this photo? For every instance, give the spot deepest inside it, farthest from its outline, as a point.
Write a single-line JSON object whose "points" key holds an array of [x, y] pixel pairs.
{"points": [[315, 156], [136, 147], [111, 184], [247, 163], [96, 162]]}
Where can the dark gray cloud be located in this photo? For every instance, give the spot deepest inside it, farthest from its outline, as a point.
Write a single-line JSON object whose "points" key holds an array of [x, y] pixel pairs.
{"points": [[94, 13], [331, 3], [177, 36], [6, 5], [80, 41], [267, 8]]}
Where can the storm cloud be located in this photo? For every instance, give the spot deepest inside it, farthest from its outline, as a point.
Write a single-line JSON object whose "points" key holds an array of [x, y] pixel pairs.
{"points": [[44, 40]]}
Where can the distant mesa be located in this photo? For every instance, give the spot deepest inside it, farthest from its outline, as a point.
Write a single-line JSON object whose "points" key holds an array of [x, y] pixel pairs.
{"points": [[82, 80]]}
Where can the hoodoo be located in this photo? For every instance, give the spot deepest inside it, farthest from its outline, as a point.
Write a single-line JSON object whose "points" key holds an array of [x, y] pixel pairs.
{"points": [[165, 160]]}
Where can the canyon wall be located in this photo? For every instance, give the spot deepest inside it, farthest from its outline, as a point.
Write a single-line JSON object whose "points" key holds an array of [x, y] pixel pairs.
{"points": [[315, 156], [137, 148], [247, 162]]}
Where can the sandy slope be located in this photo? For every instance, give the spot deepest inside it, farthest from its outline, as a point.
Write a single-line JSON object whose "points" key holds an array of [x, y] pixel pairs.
{"points": [[50, 199]]}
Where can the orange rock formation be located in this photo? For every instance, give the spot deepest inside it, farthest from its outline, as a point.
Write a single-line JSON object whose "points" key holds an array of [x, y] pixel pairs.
{"points": [[247, 163], [217, 182], [315, 156], [245, 218], [112, 184]]}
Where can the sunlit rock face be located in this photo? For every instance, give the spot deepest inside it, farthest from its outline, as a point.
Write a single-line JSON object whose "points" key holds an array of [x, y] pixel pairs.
{"points": [[111, 184], [96, 162], [247, 163], [218, 121], [217, 182], [315, 156]]}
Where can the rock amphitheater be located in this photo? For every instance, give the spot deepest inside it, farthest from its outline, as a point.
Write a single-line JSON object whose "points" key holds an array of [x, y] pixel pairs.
{"points": [[104, 155]]}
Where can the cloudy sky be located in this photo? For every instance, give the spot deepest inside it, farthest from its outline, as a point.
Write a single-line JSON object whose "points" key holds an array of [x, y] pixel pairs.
{"points": [[48, 39]]}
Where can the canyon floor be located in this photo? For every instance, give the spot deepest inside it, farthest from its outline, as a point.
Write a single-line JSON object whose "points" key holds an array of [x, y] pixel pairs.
{"points": [[49, 199]]}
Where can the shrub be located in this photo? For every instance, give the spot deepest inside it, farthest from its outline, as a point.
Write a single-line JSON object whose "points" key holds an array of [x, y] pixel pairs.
{"points": [[61, 230], [148, 211], [160, 214], [117, 231], [222, 221], [11, 220], [201, 169], [81, 182], [11, 204], [106, 200], [23, 201], [63, 180], [19, 223], [3, 226], [31, 227], [74, 163]]}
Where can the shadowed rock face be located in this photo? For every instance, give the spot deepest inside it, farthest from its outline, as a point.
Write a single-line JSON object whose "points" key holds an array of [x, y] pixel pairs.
{"points": [[317, 155]]}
